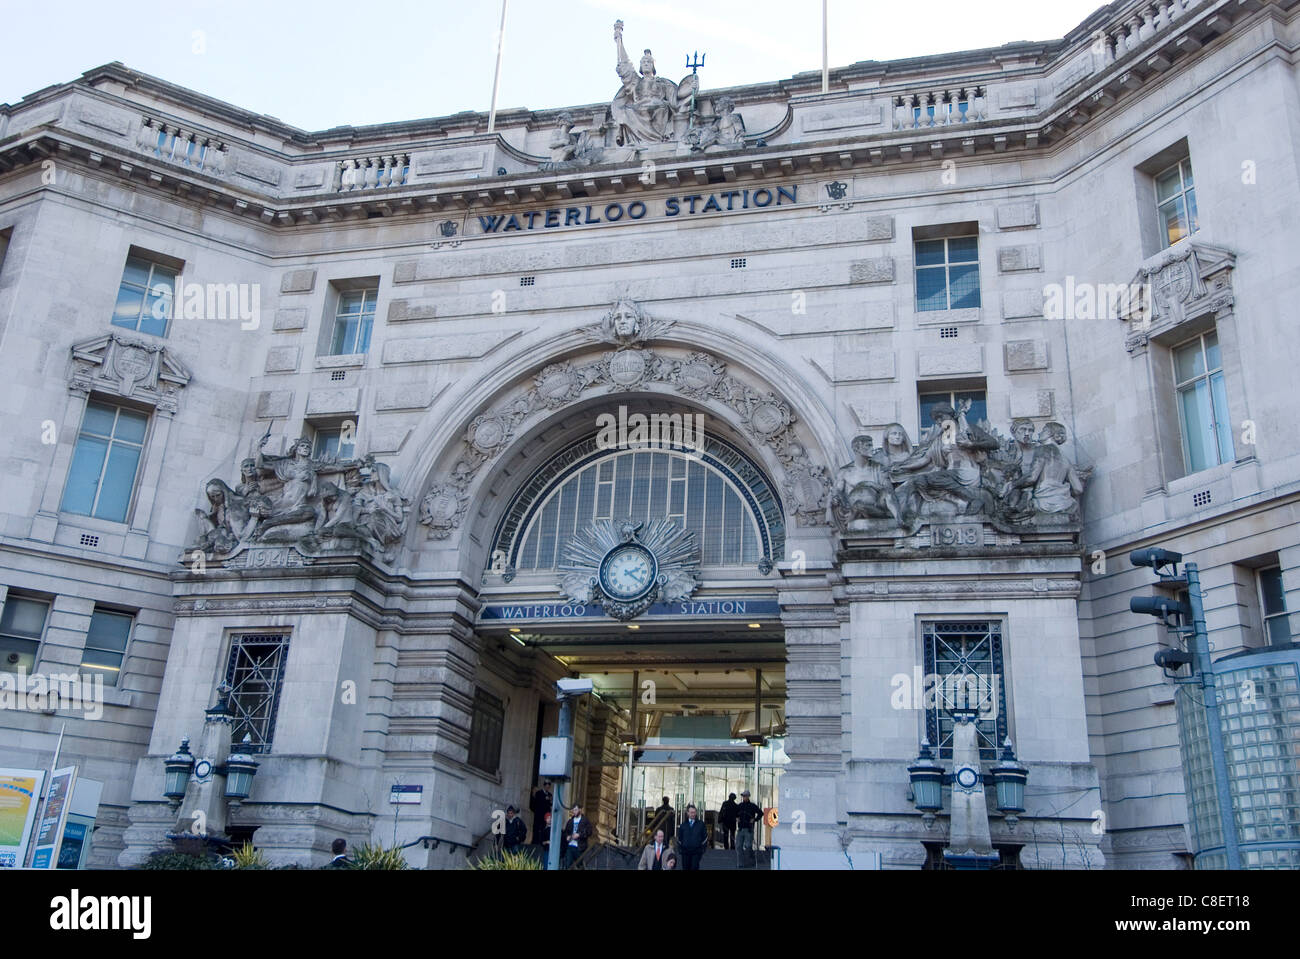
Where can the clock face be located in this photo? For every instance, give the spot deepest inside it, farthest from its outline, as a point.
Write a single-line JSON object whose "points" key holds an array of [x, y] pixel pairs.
{"points": [[967, 777], [628, 571]]}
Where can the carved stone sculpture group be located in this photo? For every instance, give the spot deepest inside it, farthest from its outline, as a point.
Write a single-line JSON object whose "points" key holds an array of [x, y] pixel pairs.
{"points": [[318, 505], [647, 112], [959, 469]]}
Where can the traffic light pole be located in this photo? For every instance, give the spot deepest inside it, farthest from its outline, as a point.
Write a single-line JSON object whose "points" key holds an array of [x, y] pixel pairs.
{"points": [[557, 802], [1210, 693]]}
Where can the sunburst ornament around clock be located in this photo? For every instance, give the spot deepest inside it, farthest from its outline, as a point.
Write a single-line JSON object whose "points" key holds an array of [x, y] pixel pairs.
{"points": [[626, 566]]}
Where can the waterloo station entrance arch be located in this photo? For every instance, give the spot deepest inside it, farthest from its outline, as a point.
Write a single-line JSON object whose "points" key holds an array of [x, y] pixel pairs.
{"points": [[632, 508]]}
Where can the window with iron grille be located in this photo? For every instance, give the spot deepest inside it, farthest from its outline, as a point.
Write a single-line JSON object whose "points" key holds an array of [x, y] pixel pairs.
{"points": [[963, 661], [486, 725], [255, 672]]}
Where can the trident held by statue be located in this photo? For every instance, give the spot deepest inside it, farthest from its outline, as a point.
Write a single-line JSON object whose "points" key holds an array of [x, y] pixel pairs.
{"points": [[694, 61]]}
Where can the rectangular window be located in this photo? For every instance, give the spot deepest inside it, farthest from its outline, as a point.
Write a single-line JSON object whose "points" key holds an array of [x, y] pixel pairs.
{"points": [[331, 445], [106, 644], [1272, 601], [486, 726], [352, 322], [963, 664], [146, 296], [105, 462], [978, 412], [1202, 403], [1176, 202], [255, 672], [947, 274], [21, 626]]}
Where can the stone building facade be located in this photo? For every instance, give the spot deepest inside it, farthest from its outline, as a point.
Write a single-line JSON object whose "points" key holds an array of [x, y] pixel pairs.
{"points": [[1047, 280]]}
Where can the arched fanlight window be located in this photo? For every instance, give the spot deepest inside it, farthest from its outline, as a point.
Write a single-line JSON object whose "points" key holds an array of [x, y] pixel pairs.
{"points": [[717, 494]]}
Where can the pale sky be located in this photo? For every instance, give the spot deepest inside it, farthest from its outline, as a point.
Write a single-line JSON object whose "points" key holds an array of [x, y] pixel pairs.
{"points": [[327, 63]]}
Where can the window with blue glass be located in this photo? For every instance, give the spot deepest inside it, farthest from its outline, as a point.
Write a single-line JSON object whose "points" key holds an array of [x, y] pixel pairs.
{"points": [[22, 624], [146, 296], [106, 644], [105, 462], [1202, 403], [947, 274], [974, 402], [352, 322]]}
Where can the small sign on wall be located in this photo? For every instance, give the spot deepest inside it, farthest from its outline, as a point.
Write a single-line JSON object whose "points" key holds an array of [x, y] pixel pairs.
{"points": [[406, 794]]}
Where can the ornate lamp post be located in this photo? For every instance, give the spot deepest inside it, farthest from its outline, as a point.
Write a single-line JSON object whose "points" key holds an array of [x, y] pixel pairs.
{"points": [[928, 778], [1009, 776], [176, 777], [190, 782]]}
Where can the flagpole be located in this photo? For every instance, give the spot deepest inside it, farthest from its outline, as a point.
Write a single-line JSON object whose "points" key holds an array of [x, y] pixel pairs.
{"points": [[826, 66], [496, 77]]}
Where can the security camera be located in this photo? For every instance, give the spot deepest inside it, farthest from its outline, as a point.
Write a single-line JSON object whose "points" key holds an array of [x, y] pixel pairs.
{"points": [[573, 687]]}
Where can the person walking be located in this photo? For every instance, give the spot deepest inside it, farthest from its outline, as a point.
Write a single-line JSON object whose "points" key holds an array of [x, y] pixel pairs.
{"points": [[540, 805], [692, 839], [658, 855], [747, 815], [727, 819], [577, 832], [516, 833], [667, 819], [339, 847]]}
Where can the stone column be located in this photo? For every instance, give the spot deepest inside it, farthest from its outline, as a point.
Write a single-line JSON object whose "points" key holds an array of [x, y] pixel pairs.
{"points": [[810, 805]]}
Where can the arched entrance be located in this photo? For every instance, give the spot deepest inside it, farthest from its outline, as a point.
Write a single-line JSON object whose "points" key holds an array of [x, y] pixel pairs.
{"points": [[690, 687]]}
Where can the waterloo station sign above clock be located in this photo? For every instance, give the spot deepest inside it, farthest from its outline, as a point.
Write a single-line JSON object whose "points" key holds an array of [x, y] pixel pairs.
{"points": [[595, 214]]}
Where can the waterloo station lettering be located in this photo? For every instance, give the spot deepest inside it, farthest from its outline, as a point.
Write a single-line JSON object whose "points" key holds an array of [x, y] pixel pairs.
{"points": [[727, 201]]}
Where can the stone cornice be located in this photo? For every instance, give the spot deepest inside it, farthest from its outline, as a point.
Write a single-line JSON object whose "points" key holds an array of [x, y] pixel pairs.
{"points": [[1101, 84]]}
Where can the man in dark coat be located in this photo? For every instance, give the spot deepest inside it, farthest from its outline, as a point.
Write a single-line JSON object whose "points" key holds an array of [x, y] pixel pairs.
{"points": [[727, 819], [692, 839], [516, 833], [667, 819], [747, 816], [540, 804], [577, 831]]}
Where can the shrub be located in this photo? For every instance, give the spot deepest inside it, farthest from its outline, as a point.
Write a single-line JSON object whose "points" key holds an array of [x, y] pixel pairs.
{"points": [[516, 859], [377, 857], [246, 857]]}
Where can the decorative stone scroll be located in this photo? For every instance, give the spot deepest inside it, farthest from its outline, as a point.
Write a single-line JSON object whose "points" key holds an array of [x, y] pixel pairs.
{"points": [[699, 376], [960, 471], [128, 366], [1179, 284], [292, 506]]}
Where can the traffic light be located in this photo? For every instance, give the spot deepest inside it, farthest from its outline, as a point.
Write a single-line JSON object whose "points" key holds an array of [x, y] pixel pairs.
{"points": [[1162, 607], [1157, 559], [1175, 614], [1172, 659]]}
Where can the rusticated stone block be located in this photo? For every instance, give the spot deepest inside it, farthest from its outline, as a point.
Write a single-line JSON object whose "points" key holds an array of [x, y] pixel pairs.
{"points": [[298, 281], [877, 270]]}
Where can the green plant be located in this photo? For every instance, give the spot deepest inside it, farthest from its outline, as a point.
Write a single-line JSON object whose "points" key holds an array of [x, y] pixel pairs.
{"points": [[377, 857], [515, 859], [246, 857]]}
